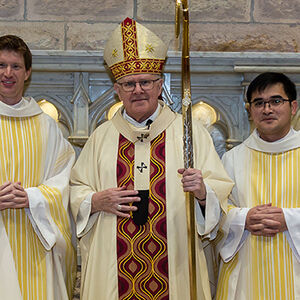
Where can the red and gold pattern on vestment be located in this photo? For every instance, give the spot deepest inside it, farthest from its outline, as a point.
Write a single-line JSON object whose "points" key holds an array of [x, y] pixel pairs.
{"points": [[142, 250]]}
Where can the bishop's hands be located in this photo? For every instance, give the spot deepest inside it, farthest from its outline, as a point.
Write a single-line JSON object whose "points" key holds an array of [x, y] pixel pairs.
{"points": [[192, 181], [115, 201], [13, 195], [265, 220]]}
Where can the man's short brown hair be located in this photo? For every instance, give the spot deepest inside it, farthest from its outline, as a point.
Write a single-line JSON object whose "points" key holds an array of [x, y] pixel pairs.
{"points": [[16, 44]]}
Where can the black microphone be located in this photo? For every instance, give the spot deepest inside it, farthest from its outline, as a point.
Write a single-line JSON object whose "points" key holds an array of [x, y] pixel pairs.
{"points": [[148, 123], [140, 216]]}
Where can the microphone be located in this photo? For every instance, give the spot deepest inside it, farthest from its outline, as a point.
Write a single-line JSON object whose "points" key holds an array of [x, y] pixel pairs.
{"points": [[148, 123], [140, 216]]}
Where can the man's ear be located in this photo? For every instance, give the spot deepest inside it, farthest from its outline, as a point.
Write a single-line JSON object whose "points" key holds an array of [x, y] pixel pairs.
{"points": [[161, 82], [294, 106], [27, 74], [116, 88], [247, 107]]}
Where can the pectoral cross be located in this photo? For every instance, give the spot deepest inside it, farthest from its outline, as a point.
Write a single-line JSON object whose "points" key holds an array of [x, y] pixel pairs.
{"points": [[142, 137], [140, 168]]}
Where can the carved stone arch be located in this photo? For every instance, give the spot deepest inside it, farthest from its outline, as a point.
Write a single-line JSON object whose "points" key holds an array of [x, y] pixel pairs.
{"points": [[213, 104], [100, 107], [230, 111], [64, 114], [218, 132], [222, 127], [234, 114]]}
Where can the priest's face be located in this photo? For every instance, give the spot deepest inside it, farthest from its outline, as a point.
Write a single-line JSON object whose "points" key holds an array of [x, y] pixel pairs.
{"points": [[13, 74], [139, 94], [271, 112]]}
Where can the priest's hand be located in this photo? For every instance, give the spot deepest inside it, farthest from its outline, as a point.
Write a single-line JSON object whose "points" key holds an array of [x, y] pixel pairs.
{"points": [[192, 181], [115, 201], [13, 195], [265, 220]]}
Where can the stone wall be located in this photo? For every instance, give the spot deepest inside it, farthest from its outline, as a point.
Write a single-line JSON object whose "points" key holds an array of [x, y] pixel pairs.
{"points": [[219, 25]]}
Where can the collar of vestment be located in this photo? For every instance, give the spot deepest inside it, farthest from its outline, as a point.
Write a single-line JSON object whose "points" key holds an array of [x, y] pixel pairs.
{"points": [[289, 142], [27, 108], [144, 134], [144, 123]]}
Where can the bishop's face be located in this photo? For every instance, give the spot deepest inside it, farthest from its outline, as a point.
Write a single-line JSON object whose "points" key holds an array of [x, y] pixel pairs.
{"points": [[13, 74], [140, 103]]}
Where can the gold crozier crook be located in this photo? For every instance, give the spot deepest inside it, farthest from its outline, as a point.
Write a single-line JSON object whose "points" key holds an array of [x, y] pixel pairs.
{"points": [[183, 12]]}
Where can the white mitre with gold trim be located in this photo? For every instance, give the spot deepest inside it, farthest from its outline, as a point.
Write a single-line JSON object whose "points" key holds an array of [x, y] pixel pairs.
{"points": [[134, 49]]}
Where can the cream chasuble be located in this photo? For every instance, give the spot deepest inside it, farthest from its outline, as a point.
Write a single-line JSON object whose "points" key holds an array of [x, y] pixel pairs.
{"points": [[37, 254], [253, 267], [95, 170]]}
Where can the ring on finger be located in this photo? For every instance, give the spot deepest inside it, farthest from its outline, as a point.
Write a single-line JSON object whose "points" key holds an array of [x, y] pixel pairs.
{"points": [[119, 207]]}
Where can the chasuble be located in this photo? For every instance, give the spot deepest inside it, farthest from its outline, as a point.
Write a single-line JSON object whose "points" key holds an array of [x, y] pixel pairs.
{"points": [[38, 259], [122, 260], [258, 267]]}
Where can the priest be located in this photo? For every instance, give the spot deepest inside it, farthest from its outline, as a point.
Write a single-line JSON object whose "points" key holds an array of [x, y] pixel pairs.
{"points": [[37, 253], [128, 185], [261, 246]]}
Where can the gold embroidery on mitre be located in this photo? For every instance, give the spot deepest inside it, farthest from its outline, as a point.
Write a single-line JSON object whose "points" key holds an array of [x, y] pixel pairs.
{"points": [[136, 56], [152, 66], [114, 53], [129, 37], [149, 48]]}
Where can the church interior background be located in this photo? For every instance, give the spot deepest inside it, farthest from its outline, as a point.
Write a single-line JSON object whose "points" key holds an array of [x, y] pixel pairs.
{"points": [[231, 42], [81, 91]]}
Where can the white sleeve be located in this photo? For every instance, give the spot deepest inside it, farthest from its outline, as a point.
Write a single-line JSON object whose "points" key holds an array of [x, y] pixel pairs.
{"points": [[49, 201], [41, 222], [292, 220], [85, 220], [208, 226], [39, 211], [234, 226]]}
